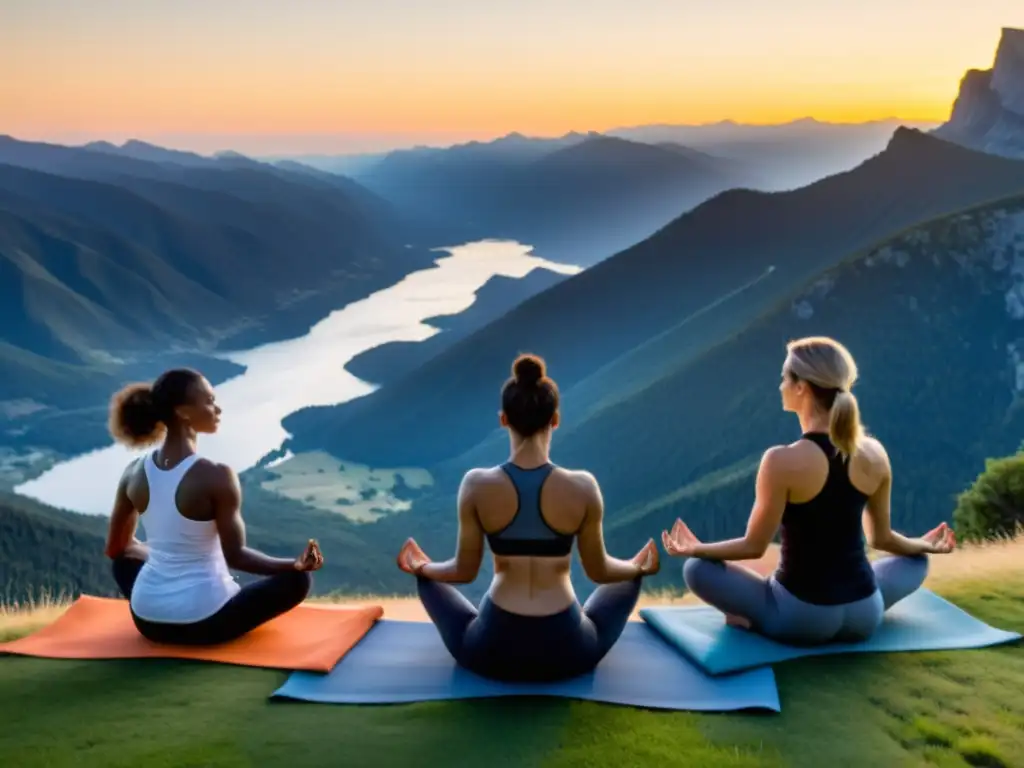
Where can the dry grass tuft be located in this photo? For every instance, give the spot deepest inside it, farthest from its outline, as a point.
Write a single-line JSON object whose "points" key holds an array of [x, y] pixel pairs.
{"points": [[20, 618]]}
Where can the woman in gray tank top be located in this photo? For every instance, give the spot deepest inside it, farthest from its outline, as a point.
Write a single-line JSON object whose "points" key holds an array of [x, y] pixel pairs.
{"points": [[529, 626]]}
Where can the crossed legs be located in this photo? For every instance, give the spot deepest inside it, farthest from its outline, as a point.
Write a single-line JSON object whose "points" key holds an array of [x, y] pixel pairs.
{"points": [[254, 605], [774, 612]]}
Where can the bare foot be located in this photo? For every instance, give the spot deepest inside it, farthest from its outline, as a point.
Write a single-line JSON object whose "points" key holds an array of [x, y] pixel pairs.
{"points": [[737, 621]]}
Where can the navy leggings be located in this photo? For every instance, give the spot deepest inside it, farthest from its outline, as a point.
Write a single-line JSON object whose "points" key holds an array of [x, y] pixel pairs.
{"points": [[501, 645], [255, 604], [774, 612]]}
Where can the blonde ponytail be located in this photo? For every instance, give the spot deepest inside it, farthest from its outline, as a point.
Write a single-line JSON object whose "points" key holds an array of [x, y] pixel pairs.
{"points": [[844, 427]]}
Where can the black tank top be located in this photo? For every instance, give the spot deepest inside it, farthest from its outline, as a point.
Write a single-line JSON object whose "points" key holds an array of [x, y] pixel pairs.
{"points": [[823, 559], [528, 533]]}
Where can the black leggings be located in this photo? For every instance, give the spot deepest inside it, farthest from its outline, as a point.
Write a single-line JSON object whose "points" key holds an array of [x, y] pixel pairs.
{"points": [[255, 604], [498, 644]]}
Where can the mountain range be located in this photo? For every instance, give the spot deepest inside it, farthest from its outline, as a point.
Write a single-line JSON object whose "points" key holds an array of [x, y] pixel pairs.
{"points": [[577, 199], [115, 262], [703, 259], [934, 316], [699, 279], [682, 337], [582, 197]]}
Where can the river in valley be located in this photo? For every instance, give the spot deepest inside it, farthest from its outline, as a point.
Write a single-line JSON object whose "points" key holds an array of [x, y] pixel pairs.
{"points": [[283, 377]]}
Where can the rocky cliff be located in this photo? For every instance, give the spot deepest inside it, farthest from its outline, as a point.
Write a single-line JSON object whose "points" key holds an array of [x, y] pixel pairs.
{"points": [[988, 113]]}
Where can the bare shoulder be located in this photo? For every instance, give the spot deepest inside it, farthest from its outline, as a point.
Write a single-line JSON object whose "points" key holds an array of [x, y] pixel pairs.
{"points": [[134, 470], [871, 451], [481, 476], [783, 459], [133, 483], [480, 480], [216, 476], [579, 482]]}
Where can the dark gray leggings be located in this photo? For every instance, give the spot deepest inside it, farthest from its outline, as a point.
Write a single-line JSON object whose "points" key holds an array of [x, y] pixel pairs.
{"points": [[774, 612], [254, 605], [508, 646]]}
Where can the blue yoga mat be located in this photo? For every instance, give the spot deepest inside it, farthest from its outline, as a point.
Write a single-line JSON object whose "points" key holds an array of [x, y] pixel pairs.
{"points": [[405, 661], [921, 622]]}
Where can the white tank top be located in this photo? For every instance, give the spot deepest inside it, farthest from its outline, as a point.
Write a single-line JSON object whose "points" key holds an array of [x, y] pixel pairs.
{"points": [[186, 578]]}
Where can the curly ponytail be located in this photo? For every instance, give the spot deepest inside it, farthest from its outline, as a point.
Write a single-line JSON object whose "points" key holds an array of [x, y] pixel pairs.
{"points": [[140, 413], [134, 417]]}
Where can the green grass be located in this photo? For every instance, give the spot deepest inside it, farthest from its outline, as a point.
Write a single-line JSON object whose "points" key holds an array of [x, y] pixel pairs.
{"points": [[938, 708]]}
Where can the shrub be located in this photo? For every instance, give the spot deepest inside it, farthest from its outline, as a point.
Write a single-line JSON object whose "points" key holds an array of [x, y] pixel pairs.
{"points": [[993, 507]]}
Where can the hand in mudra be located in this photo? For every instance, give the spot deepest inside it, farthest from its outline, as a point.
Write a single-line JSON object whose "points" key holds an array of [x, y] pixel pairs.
{"points": [[311, 558], [681, 542], [648, 559], [411, 558], [941, 540]]}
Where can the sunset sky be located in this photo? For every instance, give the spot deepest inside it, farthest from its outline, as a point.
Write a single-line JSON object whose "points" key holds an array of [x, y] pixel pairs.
{"points": [[336, 76]]}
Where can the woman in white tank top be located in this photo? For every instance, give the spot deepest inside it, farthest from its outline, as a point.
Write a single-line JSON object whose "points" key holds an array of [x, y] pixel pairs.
{"points": [[178, 583]]}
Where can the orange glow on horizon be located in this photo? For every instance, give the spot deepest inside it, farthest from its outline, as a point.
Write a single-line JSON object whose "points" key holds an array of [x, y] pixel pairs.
{"points": [[463, 71]]}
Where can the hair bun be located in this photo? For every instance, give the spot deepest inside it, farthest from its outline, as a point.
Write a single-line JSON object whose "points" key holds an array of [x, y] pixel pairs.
{"points": [[528, 370]]}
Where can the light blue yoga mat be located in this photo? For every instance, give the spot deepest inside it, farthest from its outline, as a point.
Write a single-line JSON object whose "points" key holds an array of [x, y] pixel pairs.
{"points": [[405, 661], [921, 622]]}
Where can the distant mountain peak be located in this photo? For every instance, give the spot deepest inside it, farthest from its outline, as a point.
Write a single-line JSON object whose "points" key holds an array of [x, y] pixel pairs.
{"points": [[1008, 70], [908, 137], [101, 146], [140, 144], [905, 140]]}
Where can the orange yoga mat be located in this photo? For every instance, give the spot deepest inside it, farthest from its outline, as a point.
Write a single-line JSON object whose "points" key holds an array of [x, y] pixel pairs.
{"points": [[312, 638]]}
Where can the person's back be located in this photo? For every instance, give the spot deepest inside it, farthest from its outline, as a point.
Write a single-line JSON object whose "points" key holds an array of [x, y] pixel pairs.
{"points": [[815, 492], [530, 625], [186, 576], [531, 517], [178, 584], [823, 559]]}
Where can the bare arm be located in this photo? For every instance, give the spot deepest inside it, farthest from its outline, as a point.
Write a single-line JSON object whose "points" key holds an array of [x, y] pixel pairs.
{"points": [[878, 520], [600, 567], [771, 492], [469, 553], [227, 500], [124, 521]]}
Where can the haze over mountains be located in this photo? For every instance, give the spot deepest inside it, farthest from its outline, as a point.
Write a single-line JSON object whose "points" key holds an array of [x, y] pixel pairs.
{"points": [[579, 198], [583, 197], [707, 249]]}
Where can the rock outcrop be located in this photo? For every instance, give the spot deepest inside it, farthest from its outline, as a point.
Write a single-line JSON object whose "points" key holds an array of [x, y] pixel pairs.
{"points": [[988, 113]]}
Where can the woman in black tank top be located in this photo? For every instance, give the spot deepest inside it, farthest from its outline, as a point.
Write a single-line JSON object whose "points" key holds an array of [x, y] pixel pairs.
{"points": [[824, 588]]}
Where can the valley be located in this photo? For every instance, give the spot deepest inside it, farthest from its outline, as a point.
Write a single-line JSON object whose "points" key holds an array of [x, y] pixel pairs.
{"points": [[644, 304], [358, 328], [114, 268], [922, 313]]}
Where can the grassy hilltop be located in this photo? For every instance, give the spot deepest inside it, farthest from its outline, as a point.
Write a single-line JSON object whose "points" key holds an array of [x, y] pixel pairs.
{"points": [[936, 708]]}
